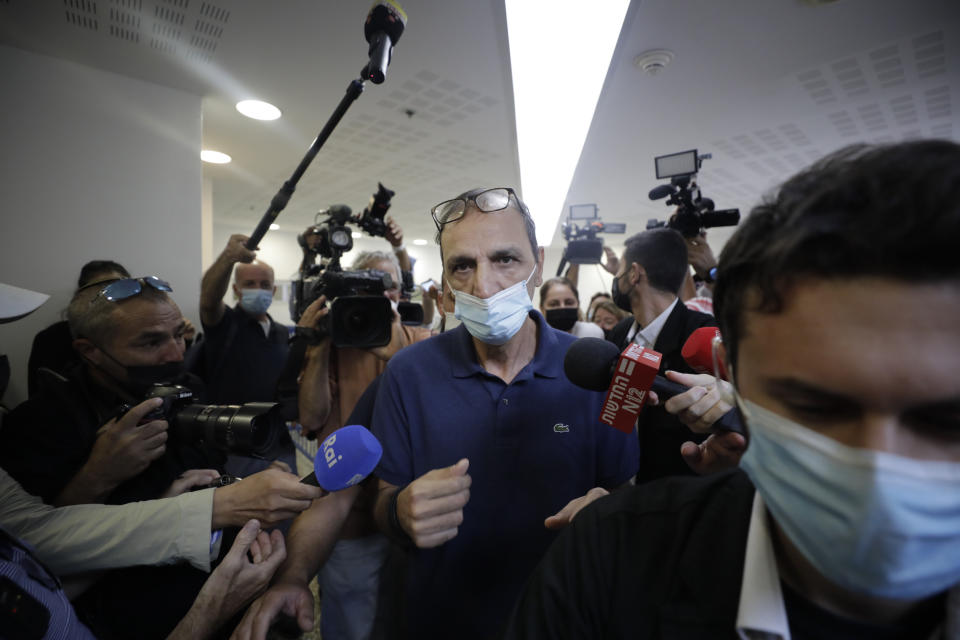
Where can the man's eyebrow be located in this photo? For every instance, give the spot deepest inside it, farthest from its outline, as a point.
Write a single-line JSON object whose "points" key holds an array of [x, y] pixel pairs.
{"points": [[794, 388], [151, 335], [505, 252]]}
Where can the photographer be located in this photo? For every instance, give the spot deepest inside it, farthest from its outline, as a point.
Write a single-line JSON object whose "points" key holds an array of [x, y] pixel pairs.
{"points": [[333, 380], [72, 445], [244, 350]]}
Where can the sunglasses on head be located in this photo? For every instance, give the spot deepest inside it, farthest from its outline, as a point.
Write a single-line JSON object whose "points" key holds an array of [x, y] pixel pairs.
{"points": [[128, 287]]}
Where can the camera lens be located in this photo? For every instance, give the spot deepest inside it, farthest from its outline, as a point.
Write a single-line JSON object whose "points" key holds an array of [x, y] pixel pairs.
{"points": [[361, 321], [249, 429]]}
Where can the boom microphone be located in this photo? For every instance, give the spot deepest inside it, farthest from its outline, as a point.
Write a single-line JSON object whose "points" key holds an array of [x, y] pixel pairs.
{"points": [[384, 26], [345, 458], [698, 352]]}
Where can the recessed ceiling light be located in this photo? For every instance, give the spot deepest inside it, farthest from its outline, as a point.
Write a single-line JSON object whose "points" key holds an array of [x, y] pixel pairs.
{"points": [[274, 226], [356, 234], [420, 241], [214, 157], [258, 110]]}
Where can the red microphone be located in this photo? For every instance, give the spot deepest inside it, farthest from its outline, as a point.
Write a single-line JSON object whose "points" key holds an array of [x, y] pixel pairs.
{"points": [[697, 351], [596, 364]]}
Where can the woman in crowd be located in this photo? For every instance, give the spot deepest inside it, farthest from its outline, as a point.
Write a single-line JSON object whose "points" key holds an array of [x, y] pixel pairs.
{"points": [[560, 305]]}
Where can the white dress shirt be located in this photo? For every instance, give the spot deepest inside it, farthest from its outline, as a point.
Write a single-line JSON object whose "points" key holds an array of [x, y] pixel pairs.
{"points": [[647, 337]]}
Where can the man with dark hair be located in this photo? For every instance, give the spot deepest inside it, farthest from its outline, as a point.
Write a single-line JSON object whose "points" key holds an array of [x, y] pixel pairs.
{"points": [[652, 270], [53, 347], [839, 302], [76, 443], [490, 396]]}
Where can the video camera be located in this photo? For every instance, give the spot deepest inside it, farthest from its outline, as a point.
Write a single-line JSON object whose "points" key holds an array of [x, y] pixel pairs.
{"points": [[249, 429], [360, 316], [694, 213], [583, 246]]}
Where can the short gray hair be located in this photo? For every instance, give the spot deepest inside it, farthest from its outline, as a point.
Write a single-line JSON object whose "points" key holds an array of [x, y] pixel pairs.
{"points": [[366, 260], [90, 315]]}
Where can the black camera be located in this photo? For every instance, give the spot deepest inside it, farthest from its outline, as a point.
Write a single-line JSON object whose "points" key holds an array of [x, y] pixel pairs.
{"points": [[694, 212], [360, 316], [583, 245], [250, 429]]}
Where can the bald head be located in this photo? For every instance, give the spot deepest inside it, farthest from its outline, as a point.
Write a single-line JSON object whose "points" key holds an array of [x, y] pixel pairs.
{"points": [[253, 275]]}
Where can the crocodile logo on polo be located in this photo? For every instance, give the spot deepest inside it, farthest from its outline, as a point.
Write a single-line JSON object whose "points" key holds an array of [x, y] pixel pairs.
{"points": [[561, 428]]}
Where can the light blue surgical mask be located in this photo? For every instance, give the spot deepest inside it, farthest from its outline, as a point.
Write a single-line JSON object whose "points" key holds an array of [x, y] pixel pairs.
{"points": [[496, 319], [255, 301], [869, 521]]}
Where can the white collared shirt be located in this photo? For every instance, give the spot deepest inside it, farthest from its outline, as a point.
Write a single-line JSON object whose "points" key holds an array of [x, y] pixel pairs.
{"points": [[762, 614], [647, 337]]}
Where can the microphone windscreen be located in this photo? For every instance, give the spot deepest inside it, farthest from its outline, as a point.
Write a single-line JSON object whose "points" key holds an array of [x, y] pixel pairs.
{"points": [[386, 17], [661, 191], [589, 363], [346, 457], [697, 351]]}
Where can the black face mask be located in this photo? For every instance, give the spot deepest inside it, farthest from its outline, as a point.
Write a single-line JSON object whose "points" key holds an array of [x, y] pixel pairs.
{"points": [[620, 298], [562, 318], [139, 378]]}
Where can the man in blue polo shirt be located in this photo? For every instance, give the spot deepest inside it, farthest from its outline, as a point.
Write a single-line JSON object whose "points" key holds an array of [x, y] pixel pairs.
{"points": [[491, 397]]}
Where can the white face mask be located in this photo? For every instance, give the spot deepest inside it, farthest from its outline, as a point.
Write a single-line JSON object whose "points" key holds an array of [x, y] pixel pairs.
{"points": [[496, 319], [450, 322], [869, 521]]}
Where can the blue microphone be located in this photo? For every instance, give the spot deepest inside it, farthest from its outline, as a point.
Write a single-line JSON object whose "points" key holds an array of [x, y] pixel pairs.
{"points": [[345, 458]]}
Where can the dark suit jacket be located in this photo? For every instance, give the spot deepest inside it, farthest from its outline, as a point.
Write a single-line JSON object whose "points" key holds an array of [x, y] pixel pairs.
{"points": [[663, 560], [660, 433]]}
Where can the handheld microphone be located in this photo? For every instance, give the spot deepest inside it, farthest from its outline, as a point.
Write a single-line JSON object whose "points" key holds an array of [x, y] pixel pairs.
{"points": [[345, 458], [384, 26], [697, 351], [597, 364]]}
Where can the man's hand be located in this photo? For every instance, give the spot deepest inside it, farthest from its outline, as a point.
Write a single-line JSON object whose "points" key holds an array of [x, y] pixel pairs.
{"points": [[314, 313], [721, 451], [242, 575], [190, 479], [703, 404], [612, 263], [396, 343], [124, 448], [289, 598], [271, 496], [700, 256], [394, 233], [236, 251], [431, 507], [565, 516]]}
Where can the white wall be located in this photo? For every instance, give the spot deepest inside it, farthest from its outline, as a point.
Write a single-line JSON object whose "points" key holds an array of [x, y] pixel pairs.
{"points": [[93, 165]]}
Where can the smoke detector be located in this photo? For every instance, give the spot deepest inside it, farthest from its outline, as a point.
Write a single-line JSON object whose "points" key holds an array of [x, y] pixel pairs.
{"points": [[654, 61]]}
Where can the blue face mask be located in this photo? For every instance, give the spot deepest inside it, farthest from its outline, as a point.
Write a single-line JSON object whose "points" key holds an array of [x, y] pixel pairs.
{"points": [[255, 301], [496, 319], [869, 521]]}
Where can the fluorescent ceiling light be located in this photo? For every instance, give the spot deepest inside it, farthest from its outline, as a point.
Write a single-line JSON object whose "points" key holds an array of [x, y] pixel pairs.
{"points": [[258, 110], [214, 157], [274, 226], [555, 92], [420, 242]]}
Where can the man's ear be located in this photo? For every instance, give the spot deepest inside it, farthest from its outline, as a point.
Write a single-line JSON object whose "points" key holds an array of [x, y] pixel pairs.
{"points": [[236, 291], [87, 350], [540, 265], [637, 273]]}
